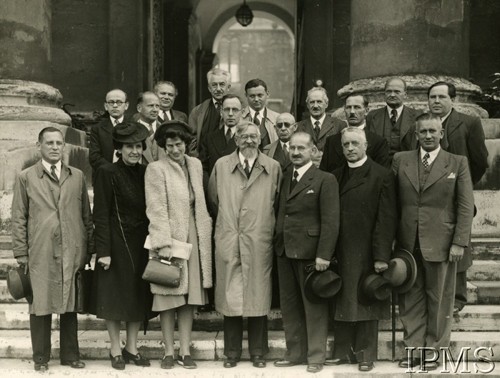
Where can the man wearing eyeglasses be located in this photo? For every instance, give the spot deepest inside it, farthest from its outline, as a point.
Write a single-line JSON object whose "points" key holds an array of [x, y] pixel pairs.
{"points": [[285, 126], [220, 142], [206, 117], [258, 112], [242, 190], [101, 141]]}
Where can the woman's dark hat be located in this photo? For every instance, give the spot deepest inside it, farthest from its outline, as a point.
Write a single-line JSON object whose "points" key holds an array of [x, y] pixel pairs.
{"points": [[130, 132], [172, 125], [402, 271], [19, 284], [321, 286], [373, 288]]}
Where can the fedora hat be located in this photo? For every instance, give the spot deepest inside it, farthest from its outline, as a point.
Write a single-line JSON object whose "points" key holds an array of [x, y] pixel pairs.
{"points": [[19, 285], [321, 286], [402, 271], [130, 132], [373, 288]]}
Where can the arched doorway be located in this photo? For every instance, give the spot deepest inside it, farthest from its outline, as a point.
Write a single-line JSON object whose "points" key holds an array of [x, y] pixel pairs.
{"points": [[265, 50]]}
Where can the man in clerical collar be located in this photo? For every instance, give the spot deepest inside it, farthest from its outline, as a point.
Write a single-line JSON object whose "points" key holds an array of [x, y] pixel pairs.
{"points": [[463, 135], [355, 110], [365, 245]]}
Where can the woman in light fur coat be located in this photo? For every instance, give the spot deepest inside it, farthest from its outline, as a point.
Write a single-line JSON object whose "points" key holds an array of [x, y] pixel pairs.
{"points": [[176, 208]]}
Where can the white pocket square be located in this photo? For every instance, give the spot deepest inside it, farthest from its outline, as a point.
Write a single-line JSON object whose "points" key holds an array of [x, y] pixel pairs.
{"points": [[310, 191], [452, 175]]}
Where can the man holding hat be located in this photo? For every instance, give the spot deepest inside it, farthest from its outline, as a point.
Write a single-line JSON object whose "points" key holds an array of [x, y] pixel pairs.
{"points": [[436, 207], [307, 226], [368, 219], [51, 233]]}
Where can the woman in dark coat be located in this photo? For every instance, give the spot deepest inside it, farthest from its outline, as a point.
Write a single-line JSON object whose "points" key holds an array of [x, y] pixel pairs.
{"points": [[121, 227]]}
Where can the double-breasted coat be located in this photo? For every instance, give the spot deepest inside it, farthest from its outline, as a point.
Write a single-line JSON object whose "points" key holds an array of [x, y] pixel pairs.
{"points": [[52, 225], [244, 233], [368, 221]]}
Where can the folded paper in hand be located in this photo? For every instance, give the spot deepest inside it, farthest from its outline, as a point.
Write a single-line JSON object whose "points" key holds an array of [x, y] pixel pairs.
{"points": [[180, 249]]}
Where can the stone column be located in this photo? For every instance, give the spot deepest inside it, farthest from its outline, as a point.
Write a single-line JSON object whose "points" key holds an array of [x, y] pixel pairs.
{"points": [[422, 41], [27, 105]]}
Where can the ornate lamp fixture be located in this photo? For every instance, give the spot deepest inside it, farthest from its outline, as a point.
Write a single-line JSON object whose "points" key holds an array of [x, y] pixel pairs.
{"points": [[244, 14]]}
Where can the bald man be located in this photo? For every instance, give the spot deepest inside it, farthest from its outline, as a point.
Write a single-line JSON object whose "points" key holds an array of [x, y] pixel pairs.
{"points": [[101, 141]]}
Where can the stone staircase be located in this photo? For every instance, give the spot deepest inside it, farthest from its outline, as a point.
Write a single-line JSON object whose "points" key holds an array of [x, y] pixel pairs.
{"points": [[477, 325]]}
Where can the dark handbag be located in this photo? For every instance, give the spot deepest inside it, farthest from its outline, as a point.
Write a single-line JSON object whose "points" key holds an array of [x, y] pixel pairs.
{"points": [[83, 288], [162, 272]]}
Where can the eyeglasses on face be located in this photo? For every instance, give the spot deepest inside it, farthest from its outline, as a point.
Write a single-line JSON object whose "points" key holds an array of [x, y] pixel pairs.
{"points": [[113, 103]]}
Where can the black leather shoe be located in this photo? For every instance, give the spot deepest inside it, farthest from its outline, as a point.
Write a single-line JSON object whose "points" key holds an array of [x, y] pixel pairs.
{"points": [[230, 362], [286, 363], [336, 361], [74, 364], [258, 361], [414, 362], [167, 362], [314, 368], [117, 362], [135, 358], [365, 366], [41, 367]]}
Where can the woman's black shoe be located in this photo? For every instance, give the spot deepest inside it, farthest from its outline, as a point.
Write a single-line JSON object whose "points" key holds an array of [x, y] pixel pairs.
{"points": [[135, 358], [117, 362]]}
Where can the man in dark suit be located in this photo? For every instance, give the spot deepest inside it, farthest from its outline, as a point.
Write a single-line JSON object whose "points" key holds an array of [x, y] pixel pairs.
{"points": [[101, 142], [436, 206], [463, 135], [206, 117], [280, 150], [148, 106], [307, 228], [396, 121], [318, 125], [355, 109], [368, 218], [220, 142], [167, 92]]}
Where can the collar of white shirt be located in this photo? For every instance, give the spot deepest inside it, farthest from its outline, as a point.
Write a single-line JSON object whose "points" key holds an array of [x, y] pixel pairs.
{"points": [[251, 161], [432, 154], [321, 120], [398, 111], [283, 144], [120, 120], [302, 170], [47, 166], [358, 163], [153, 124], [252, 113], [230, 129]]}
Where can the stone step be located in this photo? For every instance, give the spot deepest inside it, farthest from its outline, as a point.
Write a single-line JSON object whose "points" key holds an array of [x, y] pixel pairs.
{"points": [[94, 345], [484, 270], [470, 319]]}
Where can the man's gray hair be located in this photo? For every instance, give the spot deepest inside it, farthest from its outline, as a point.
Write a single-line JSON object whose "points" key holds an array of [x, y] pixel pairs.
{"points": [[319, 89], [219, 72], [354, 130], [244, 125]]}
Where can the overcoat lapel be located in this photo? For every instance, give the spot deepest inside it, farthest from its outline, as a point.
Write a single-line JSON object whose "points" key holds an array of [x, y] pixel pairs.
{"points": [[359, 178], [411, 170], [405, 123], [453, 123], [326, 126]]}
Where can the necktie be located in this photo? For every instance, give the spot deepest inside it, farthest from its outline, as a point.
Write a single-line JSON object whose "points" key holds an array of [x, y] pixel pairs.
{"points": [[217, 105], [150, 128], [294, 180], [394, 116], [115, 122], [256, 119], [53, 173], [247, 168], [425, 160], [316, 129], [167, 116], [228, 134], [285, 150]]}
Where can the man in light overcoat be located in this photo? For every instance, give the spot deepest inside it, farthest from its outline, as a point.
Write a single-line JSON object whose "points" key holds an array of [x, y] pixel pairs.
{"points": [[52, 233], [242, 190]]}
